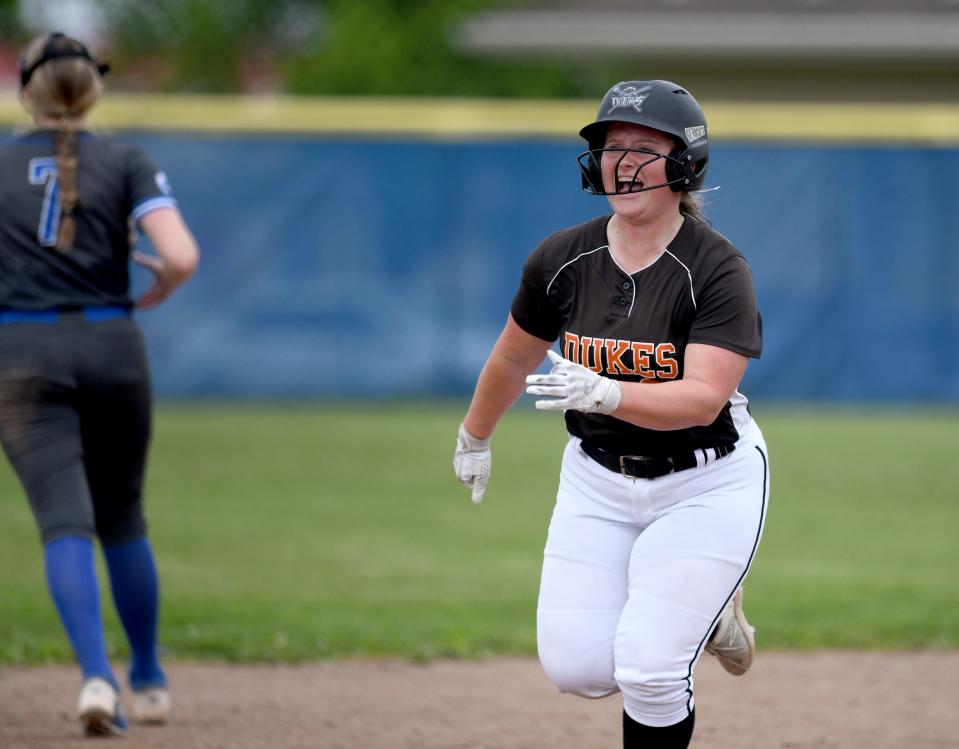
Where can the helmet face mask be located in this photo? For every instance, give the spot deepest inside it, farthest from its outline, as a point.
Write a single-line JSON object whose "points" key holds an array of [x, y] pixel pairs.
{"points": [[590, 163], [659, 105]]}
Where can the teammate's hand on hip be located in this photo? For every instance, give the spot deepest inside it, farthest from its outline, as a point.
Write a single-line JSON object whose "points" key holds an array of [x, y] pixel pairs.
{"points": [[570, 386], [161, 287], [471, 461]]}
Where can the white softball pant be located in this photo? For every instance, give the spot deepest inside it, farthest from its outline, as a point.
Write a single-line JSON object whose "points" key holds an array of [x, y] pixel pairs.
{"points": [[636, 573]]}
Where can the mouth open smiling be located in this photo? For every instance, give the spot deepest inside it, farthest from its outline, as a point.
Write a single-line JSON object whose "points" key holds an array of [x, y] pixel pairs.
{"points": [[628, 185]]}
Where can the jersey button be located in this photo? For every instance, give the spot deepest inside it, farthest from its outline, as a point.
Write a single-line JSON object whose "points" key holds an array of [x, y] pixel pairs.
{"points": [[621, 301], [627, 285]]}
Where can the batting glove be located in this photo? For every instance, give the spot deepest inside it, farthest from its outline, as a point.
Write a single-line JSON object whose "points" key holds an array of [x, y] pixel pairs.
{"points": [[471, 461], [570, 386]]}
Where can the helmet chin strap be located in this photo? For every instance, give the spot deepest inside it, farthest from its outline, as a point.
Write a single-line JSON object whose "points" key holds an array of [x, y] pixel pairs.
{"points": [[594, 174]]}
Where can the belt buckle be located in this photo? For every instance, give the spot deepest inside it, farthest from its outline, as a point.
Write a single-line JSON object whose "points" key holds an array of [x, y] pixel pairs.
{"points": [[644, 461]]}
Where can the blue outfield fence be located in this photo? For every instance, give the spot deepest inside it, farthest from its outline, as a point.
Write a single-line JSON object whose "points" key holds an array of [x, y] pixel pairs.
{"points": [[338, 267]]}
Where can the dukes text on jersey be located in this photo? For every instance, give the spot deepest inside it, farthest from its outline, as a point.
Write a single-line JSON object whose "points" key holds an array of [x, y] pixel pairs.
{"points": [[614, 356]]}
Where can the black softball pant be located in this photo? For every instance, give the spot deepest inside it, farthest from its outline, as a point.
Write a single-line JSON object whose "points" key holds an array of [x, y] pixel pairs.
{"points": [[75, 424]]}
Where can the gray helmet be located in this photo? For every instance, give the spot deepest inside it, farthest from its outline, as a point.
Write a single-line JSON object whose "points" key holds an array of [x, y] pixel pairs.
{"points": [[659, 105]]}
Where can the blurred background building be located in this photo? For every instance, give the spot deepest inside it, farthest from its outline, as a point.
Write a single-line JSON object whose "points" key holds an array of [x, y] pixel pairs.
{"points": [[881, 50], [817, 50], [366, 177]]}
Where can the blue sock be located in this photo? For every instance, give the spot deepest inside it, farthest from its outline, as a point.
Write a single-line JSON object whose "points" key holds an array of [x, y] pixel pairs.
{"points": [[136, 593], [72, 580]]}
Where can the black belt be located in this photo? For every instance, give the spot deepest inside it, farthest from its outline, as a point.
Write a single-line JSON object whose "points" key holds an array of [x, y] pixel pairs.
{"points": [[651, 466]]}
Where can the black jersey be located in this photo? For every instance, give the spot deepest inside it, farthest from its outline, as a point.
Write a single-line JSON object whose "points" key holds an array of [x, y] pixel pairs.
{"points": [[636, 327], [115, 182]]}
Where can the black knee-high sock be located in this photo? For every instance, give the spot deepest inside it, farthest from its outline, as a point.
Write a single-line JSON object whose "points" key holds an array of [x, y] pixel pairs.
{"points": [[640, 736]]}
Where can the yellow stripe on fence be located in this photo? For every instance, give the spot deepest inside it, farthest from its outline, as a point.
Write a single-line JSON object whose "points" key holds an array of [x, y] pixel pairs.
{"points": [[500, 118]]}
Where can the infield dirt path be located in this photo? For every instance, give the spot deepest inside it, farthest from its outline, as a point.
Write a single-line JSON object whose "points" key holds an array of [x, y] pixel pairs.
{"points": [[789, 701]]}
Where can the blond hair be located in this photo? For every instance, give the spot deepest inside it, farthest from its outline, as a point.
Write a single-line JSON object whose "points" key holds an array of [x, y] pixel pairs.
{"points": [[63, 89], [692, 205]]}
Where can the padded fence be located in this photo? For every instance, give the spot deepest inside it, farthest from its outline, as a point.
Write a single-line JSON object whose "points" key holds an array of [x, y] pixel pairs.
{"points": [[362, 267]]}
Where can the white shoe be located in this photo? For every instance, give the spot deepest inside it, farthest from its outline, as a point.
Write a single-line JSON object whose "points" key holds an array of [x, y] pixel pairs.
{"points": [[99, 709], [733, 641], [151, 705]]}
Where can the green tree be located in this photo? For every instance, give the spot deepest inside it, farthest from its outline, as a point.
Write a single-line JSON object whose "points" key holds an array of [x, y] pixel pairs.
{"points": [[193, 45], [10, 28], [347, 47], [404, 47]]}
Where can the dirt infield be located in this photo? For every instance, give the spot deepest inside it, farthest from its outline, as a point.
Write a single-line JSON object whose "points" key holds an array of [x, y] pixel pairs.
{"points": [[789, 701]]}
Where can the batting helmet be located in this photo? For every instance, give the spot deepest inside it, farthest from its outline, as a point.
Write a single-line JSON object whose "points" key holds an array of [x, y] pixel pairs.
{"points": [[659, 105]]}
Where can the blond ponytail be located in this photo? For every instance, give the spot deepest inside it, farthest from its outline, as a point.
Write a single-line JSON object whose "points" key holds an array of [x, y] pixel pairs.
{"points": [[66, 153], [63, 89]]}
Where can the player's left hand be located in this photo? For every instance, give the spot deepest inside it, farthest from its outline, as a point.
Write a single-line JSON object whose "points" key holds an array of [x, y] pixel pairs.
{"points": [[161, 287], [570, 386]]}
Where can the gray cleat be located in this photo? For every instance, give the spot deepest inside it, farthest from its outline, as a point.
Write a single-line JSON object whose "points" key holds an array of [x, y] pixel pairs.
{"points": [[733, 641]]}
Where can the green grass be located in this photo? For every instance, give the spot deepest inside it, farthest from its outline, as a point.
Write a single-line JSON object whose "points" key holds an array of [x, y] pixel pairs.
{"points": [[310, 531]]}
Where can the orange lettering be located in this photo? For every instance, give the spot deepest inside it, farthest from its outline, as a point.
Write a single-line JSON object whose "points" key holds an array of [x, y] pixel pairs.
{"points": [[666, 360], [614, 357], [597, 346], [571, 347], [641, 360], [650, 362]]}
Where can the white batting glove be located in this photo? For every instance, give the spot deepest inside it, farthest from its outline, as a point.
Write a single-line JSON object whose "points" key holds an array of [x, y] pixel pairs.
{"points": [[471, 461], [570, 386]]}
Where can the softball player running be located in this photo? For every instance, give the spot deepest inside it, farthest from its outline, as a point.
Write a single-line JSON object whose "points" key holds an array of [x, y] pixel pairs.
{"points": [[74, 387], [664, 482]]}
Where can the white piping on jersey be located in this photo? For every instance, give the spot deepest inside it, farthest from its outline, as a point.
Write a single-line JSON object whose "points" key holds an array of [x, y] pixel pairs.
{"points": [[151, 204], [632, 285], [691, 294], [590, 252], [582, 254]]}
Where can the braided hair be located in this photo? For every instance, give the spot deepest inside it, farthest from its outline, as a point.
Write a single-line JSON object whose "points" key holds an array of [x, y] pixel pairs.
{"points": [[63, 88]]}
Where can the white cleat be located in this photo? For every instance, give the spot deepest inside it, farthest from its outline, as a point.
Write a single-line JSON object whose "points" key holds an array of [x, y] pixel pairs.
{"points": [[151, 705], [99, 709], [733, 641]]}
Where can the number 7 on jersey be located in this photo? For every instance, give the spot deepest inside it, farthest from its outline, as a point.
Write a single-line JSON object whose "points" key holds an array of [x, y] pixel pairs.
{"points": [[44, 170]]}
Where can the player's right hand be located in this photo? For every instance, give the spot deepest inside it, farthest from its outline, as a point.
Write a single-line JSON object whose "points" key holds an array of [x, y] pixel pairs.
{"points": [[471, 461]]}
